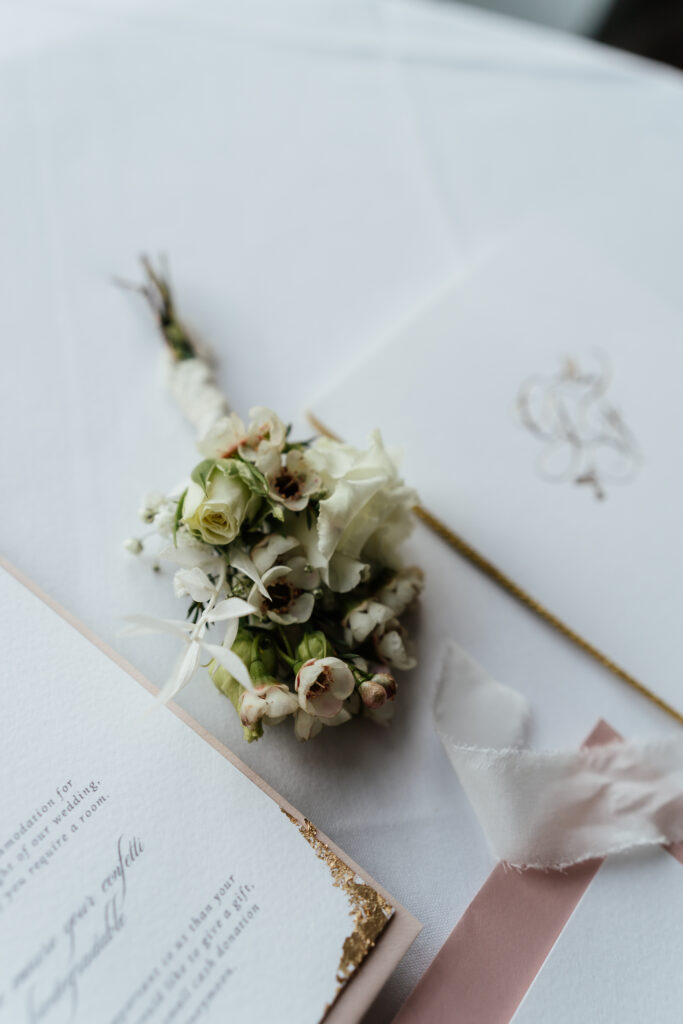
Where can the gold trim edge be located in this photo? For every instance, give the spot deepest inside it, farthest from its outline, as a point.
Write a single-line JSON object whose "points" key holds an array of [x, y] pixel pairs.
{"points": [[370, 911]]}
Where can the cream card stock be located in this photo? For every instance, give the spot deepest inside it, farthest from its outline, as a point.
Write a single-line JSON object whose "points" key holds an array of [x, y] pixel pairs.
{"points": [[143, 876], [538, 407]]}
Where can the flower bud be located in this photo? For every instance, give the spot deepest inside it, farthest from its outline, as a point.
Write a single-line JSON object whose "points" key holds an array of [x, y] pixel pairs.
{"points": [[372, 693], [388, 682], [262, 659], [133, 545], [251, 708], [313, 646]]}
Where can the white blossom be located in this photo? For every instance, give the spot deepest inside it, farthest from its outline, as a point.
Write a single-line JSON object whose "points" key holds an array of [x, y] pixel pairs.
{"points": [[390, 645], [223, 438], [228, 610], [363, 619], [264, 437], [193, 583], [279, 700], [401, 590], [306, 726], [282, 581], [272, 702], [292, 480], [151, 504], [251, 708], [189, 552], [164, 522], [323, 685]]}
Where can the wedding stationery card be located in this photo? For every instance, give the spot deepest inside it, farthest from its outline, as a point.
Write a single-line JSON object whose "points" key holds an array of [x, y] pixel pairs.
{"points": [[145, 877], [537, 404]]}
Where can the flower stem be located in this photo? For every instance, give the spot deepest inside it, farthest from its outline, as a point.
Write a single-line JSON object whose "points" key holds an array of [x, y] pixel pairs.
{"points": [[157, 291]]}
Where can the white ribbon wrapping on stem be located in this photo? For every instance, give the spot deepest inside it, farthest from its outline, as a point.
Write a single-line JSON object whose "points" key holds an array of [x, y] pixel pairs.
{"points": [[192, 383], [553, 809]]}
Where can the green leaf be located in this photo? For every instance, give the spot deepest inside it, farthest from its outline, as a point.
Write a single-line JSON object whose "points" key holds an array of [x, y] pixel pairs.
{"points": [[202, 473], [248, 473], [277, 512], [178, 516]]}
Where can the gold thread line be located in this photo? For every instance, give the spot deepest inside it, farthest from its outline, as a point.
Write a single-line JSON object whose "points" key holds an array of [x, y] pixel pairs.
{"points": [[486, 567]]}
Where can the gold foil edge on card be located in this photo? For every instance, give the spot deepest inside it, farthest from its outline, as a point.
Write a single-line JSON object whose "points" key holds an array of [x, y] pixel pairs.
{"points": [[369, 910]]}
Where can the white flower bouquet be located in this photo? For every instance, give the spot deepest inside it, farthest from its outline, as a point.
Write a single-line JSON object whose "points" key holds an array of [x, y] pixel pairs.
{"points": [[290, 547]]}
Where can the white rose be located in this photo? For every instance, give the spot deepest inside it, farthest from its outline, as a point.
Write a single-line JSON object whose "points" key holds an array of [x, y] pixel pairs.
{"points": [[217, 515], [367, 513], [322, 685]]}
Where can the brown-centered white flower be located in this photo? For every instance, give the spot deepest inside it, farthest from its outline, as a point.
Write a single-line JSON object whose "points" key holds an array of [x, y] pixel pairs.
{"points": [[264, 437], [322, 685], [283, 581], [292, 480], [224, 438]]}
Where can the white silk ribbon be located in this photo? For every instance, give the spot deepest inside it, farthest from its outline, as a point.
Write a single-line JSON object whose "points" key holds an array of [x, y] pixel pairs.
{"points": [[553, 809], [192, 383]]}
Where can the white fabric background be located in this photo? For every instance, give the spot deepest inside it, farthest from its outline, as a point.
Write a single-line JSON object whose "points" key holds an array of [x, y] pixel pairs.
{"points": [[315, 171]]}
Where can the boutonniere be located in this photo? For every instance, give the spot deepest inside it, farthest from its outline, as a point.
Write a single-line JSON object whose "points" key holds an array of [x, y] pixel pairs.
{"points": [[288, 554]]}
